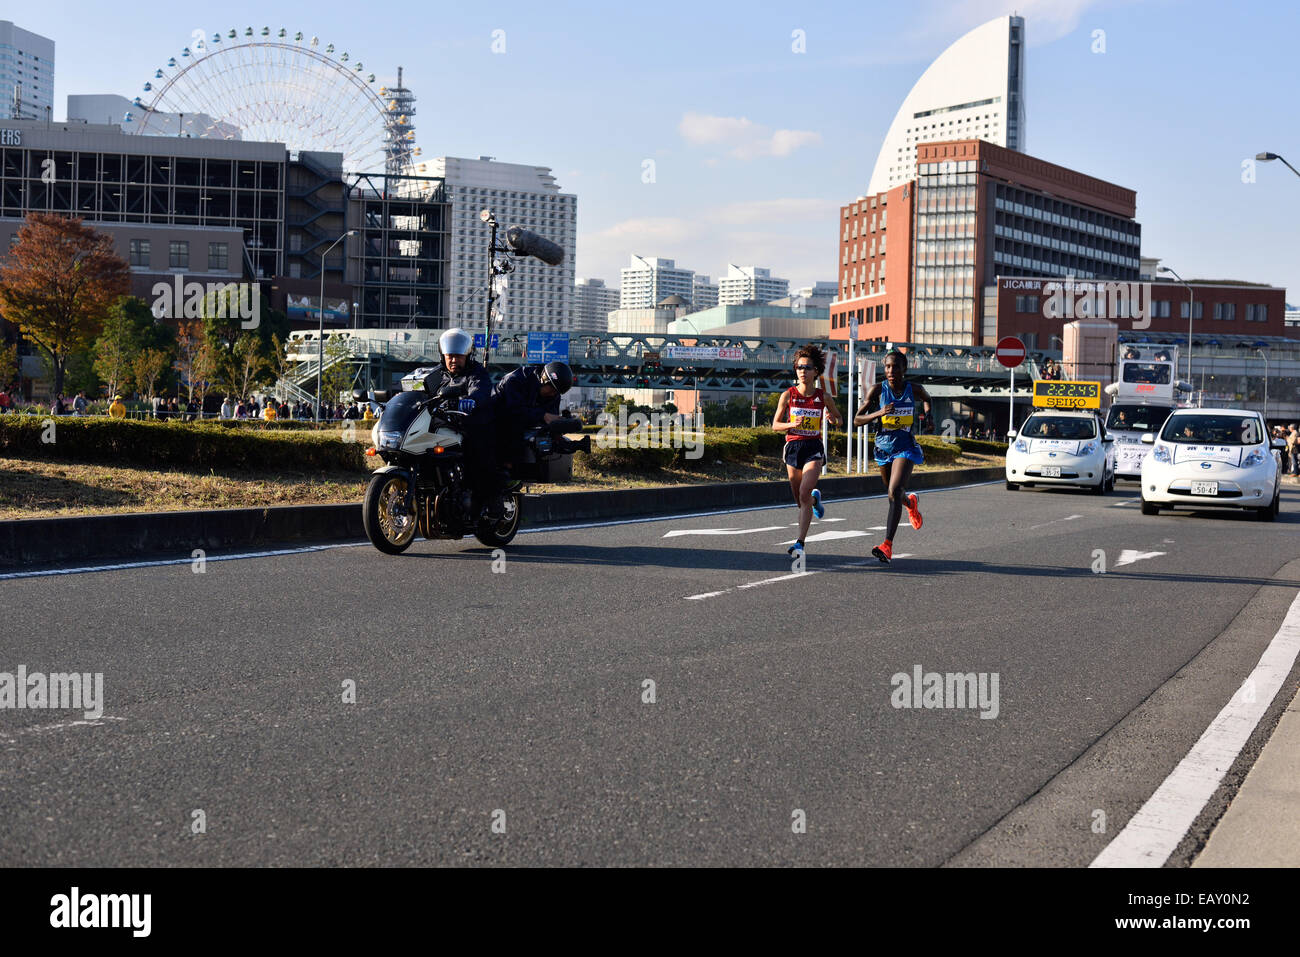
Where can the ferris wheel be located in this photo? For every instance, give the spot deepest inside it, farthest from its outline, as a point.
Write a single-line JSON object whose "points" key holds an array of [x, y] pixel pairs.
{"points": [[279, 88]]}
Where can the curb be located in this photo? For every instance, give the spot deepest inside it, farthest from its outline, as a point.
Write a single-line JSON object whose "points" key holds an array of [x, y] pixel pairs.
{"points": [[39, 541]]}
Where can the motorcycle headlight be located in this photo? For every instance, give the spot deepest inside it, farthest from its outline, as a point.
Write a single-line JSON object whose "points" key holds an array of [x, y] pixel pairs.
{"points": [[389, 440], [1021, 445], [1161, 453], [1254, 458], [1088, 449]]}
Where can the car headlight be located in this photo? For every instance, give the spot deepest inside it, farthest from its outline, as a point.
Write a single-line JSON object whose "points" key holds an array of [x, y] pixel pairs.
{"points": [[1088, 449], [1021, 445], [1254, 458], [1161, 453]]}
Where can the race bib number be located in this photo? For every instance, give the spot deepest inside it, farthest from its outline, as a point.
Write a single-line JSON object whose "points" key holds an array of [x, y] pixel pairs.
{"points": [[810, 423], [896, 421]]}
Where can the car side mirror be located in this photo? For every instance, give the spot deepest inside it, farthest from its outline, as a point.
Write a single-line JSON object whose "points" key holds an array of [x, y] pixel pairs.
{"points": [[1148, 438], [1108, 438], [1011, 434]]}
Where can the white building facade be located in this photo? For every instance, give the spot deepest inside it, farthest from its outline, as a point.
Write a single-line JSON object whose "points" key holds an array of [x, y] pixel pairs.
{"points": [[704, 294], [974, 90], [593, 301], [750, 284], [26, 74], [647, 282], [537, 297]]}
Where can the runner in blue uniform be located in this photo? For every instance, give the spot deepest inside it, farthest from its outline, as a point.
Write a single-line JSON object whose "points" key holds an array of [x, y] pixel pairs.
{"points": [[894, 403], [799, 414]]}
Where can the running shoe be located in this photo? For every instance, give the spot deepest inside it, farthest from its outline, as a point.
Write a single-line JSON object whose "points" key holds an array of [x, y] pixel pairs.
{"points": [[884, 551], [914, 510], [818, 509], [795, 550]]}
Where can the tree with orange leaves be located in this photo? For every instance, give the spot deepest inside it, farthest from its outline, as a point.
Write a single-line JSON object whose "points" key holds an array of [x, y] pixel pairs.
{"points": [[58, 284]]}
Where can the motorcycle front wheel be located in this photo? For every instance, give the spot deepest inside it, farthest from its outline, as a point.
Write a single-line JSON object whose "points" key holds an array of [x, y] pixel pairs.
{"points": [[389, 526], [502, 532]]}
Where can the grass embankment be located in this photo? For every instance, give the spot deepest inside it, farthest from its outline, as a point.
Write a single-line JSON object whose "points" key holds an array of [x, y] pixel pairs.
{"points": [[99, 466]]}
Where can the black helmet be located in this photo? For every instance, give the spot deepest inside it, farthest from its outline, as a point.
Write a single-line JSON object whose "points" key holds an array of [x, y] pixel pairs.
{"points": [[559, 376]]}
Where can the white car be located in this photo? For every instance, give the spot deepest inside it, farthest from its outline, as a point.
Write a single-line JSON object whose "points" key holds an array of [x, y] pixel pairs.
{"points": [[1212, 458], [1059, 447]]}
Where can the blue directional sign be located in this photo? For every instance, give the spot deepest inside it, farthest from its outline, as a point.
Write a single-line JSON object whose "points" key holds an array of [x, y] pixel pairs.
{"points": [[546, 347], [478, 340]]}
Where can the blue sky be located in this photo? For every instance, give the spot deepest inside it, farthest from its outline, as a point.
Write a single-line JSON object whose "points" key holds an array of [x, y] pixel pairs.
{"points": [[756, 146]]}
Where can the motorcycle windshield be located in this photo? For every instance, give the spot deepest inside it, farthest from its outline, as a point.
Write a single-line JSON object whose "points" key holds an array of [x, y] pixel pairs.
{"points": [[400, 412]]}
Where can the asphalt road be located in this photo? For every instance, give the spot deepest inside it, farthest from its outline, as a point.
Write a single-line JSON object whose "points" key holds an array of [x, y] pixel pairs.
{"points": [[503, 716]]}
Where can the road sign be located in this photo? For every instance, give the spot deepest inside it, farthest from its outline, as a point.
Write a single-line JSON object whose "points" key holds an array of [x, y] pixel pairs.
{"points": [[478, 340], [546, 347], [734, 353], [1010, 351]]}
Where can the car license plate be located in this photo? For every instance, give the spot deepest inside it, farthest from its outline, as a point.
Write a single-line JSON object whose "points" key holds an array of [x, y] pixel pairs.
{"points": [[1205, 488], [1051, 471]]}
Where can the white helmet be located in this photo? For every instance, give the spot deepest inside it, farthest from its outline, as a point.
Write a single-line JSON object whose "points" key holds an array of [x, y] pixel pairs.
{"points": [[455, 342]]}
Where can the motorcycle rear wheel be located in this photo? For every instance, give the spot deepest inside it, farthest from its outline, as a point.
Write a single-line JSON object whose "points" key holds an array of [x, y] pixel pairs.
{"points": [[390, 528], [498, 534]]}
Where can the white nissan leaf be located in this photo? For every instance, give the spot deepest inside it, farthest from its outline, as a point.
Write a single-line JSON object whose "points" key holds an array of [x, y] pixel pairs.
{"points": [[1212, 458]]}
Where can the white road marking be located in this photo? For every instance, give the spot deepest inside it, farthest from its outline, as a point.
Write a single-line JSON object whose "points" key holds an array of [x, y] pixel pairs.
{"points": [[785, 578], [1068, 518], [158, 563], [11, 736], [721, 531], [828, 536], [819, 521], [1160, 825], [1128, 556]]}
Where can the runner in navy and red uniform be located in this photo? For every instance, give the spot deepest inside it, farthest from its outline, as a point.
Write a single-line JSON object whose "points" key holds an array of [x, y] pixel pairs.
{"points": [[895, 403], [799, 414]]}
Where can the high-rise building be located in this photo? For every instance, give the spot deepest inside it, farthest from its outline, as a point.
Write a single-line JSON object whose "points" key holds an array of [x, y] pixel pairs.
{"points": [[536, 297], [750, 284], [592, 304], [704, 294], [647, 282], [974, 90], [26, 74]]}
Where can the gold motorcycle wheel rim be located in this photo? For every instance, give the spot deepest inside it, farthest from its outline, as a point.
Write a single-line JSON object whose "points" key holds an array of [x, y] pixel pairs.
{"points": [[397, 528]]}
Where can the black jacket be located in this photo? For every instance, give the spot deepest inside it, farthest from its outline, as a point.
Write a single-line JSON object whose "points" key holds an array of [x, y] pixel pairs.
{"points": [[473, 383], [517, 400]]}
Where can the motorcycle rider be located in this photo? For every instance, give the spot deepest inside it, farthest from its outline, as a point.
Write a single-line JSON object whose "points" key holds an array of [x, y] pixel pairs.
{"points": [[462, 377], [525, 399]]}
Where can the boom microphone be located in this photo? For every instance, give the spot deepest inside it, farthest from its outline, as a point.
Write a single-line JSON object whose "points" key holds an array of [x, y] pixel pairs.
{"points": [[527, 243]]}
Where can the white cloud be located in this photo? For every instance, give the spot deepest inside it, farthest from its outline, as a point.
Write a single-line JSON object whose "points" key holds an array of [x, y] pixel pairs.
{"points": [[747, 140]]}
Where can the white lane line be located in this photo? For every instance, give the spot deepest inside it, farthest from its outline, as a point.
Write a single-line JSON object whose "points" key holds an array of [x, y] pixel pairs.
{"points": [[1158, 827], [721, 531], [828, 536], [158, 563], [1068, 518], [11, 736], [783, 578], [645, 519], [1130, 555]]}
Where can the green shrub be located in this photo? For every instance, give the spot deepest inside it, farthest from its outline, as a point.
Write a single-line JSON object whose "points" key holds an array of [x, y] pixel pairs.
{"points": [[179, 444]]}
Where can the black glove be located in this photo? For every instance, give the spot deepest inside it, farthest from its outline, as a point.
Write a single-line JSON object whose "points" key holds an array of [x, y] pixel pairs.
{"points": [[450, 391]]}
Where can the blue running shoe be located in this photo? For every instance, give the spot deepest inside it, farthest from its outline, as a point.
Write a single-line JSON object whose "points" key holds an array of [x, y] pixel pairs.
{"points": [[795, 550], [818, 509]]}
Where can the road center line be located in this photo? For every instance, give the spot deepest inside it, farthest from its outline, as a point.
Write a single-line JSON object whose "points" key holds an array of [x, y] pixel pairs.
{"points": [[1153, 833]]}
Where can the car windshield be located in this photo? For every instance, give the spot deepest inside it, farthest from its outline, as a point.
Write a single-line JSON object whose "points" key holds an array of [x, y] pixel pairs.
{"points": [[1212, 429], [1137, 418], [1059, 427]]}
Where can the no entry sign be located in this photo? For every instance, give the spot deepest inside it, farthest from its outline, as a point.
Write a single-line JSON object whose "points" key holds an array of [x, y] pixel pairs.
{"points": [[1010, 351]]}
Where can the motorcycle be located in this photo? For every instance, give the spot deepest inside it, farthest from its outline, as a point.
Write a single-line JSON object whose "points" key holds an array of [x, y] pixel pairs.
{"points": [[423, 486]]}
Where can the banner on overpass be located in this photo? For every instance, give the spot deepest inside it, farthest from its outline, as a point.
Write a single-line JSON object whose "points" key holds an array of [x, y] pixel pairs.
{"points": [[732, 353]]}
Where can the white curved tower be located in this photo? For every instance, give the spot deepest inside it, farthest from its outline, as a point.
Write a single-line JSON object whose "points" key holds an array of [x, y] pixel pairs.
{"points": [[974, 90]]}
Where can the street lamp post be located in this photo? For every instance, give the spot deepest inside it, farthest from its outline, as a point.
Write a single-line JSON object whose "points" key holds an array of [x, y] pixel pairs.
{"points": [[320, 325], [1268, 157], [1191, 311], [1262, 353]]}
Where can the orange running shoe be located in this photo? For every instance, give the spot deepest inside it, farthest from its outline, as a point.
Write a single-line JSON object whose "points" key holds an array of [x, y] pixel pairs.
{"points": [[884, 551], [914, 510]]}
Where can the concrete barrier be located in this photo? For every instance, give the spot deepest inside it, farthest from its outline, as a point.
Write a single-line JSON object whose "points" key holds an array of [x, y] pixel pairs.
{"points": [[105, 538]]}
